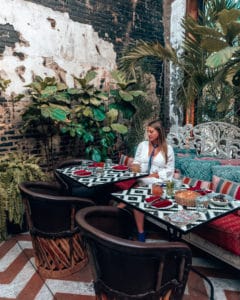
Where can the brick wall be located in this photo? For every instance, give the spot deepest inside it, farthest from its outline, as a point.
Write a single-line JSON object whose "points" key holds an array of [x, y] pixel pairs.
{"points": [[60, 38]]}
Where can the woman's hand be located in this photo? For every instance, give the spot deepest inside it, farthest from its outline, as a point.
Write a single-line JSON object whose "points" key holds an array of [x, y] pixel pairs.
{"points": [[155, 175]]}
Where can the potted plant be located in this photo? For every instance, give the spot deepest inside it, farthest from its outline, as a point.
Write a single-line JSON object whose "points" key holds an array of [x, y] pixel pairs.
{"points": [[15, 168]]}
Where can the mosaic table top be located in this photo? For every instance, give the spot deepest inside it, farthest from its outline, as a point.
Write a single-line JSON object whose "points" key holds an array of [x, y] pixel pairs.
{"points": [[181, 218], [108, 176]]}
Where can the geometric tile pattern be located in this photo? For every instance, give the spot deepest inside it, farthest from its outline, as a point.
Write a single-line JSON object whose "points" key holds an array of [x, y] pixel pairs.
{"points": [[19, 279], [136, 197], [108, 176]]}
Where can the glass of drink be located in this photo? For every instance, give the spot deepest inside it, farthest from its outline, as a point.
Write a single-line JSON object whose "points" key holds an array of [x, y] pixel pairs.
{"points": [[157, 189], [99, 171], [170, 188], [202, 203], [135, 168], [108, 163]]}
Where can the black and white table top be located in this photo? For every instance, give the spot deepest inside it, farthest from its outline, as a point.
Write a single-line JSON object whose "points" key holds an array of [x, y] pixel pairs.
{"points": [[171, 216], [108, 176]]}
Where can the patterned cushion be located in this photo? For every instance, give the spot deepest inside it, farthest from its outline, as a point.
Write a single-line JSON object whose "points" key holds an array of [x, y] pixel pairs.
{"points": [[200, 184], [230, 162], [187, 152], [224, 232], [179, 160], [221, 185], [198, 169], [228, 172]]}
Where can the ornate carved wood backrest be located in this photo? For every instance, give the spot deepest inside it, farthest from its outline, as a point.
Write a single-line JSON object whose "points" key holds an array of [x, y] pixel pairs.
{"points": [[212, 138]]}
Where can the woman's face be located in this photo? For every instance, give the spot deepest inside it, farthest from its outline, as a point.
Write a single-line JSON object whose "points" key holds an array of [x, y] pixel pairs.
{"points": [[152, 134]]}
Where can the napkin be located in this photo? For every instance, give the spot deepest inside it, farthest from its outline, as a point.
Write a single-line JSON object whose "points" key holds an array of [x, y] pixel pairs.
{"points": [[152, 198], [120, 168], [96, 164], [82, 172], [161, 203], [201, 192]]}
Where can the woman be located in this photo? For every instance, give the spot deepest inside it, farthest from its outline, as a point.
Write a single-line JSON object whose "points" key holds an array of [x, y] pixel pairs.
{"points": [[156, 157]]}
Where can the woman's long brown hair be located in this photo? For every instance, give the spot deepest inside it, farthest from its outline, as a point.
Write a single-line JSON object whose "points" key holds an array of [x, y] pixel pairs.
{"points": [[156, 124]]}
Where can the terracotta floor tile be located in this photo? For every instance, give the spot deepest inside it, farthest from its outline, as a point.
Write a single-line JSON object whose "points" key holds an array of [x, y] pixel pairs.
{"points": [[19, 279]]}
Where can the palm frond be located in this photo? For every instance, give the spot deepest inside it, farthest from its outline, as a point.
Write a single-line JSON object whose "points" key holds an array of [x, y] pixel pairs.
{"points": [[129, 61]]}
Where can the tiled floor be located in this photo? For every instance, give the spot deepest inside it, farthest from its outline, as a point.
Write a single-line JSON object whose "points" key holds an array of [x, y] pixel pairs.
{"points": [[19, 279]]}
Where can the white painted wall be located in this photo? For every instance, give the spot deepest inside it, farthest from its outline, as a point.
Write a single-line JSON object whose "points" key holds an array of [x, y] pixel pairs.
{"points": [[69, 48], [176, 39]]}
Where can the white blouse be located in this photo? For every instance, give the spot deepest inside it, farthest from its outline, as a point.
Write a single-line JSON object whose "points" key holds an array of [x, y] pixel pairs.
{"points": [[165, 170]]}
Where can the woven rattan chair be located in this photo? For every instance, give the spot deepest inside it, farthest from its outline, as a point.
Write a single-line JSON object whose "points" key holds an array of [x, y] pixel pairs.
{"points": [[57, 242], [127, 269]]}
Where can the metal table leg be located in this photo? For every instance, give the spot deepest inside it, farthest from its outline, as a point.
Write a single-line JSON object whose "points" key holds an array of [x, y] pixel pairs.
{"points": [[208, 281], [175, 235]]}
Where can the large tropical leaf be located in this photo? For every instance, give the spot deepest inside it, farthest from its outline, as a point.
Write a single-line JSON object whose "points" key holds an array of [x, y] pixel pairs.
{"points": [[90, 76], [126, 96], [54, 112], [227, 16], [221, 57], [99, 114], [120, 128], [49, 90], [94, 101], [63, 97], [212, 44]]}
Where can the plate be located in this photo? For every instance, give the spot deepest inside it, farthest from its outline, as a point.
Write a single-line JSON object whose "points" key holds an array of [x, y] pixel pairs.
{"points": [[220, 203], [82, 173], [171, 204], [120, 168], [183, 217]]}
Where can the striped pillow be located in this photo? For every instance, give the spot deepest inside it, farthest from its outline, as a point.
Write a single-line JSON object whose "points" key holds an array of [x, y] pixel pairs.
{"points": [[200, 184], [221, 185], [125, 160]]}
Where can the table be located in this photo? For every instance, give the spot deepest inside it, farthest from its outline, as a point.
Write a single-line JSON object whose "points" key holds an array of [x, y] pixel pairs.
{"points": [[108, 176], [135, 197]]}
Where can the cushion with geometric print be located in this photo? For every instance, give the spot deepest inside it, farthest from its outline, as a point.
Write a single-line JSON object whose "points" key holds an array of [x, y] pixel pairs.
{"points": [[225, 231], [199, 184]]}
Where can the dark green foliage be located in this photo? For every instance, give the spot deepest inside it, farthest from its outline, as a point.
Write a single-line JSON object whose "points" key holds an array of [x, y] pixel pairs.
{"points": [[87, 113]]}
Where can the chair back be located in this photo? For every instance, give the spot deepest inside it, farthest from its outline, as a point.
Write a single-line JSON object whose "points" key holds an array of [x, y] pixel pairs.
{"points": [[127, 268], [55, 235]]}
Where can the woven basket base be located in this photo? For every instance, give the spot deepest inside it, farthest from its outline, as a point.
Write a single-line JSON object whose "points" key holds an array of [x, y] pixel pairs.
{"points": [[59, 257], [62, 273]]}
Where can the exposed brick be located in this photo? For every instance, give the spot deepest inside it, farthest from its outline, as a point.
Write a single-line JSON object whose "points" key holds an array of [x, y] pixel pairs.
{"points": [[118, 22]]}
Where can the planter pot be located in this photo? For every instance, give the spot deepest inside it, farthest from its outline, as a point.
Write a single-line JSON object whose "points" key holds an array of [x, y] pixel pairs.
{"points": [[13, 228]]}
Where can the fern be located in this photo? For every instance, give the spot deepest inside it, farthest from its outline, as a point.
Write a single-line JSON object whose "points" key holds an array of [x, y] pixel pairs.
{"points": [[14, 169]]}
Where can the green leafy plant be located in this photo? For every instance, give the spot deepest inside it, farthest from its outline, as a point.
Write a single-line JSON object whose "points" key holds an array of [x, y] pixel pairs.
{"points": [[49, 104], [217, 30], [15, 168], [85, 112]]}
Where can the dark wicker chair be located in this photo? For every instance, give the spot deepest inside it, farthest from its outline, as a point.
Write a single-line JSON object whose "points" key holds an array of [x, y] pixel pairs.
{"points": [[65, 183], [127, 269], [57, 242]]}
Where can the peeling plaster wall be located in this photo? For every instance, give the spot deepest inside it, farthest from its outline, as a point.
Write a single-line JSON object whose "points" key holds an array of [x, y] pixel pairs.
{"points": [[50, 44], [64, 38]]}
